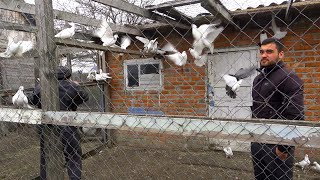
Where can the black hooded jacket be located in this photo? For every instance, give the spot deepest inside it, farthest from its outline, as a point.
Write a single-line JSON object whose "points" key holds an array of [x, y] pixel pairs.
{"points": [[278, 94], [71, 94]]}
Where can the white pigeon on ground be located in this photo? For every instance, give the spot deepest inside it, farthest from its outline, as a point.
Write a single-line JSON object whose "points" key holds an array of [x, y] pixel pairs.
{"points": [[20, 100], [105, 33], [204, 36], [233, 82], [304, 163], [278, 34], [315, 166], [179, 58], [66, 33], [150, 46], [228, 152], [125, 42], [16, 48]]}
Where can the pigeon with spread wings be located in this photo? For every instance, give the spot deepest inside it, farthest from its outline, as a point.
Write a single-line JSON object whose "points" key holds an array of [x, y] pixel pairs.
{"points": [[233, 82], [105, 33]]}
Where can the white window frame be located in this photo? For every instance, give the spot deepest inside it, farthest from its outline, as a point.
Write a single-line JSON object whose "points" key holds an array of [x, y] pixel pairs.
{"points": [[140, 62]]}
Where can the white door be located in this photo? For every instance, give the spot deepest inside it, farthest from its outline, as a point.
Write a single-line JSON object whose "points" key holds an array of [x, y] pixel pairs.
{"points": [[229, 61]]}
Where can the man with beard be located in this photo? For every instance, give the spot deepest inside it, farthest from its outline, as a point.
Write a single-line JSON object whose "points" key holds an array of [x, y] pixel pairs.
{"points": [[277, 94]]}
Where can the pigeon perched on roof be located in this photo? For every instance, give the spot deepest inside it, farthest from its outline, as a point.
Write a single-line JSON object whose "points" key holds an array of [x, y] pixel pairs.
{"points": [[105, 33], [66, 33], [304, 163], [20, 100], [233, 82]]}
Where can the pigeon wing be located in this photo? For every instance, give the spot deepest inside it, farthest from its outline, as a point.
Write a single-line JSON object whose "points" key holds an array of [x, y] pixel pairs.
{"points": [[245, 72], [213, 33], [125, 42], [169, 48], [143, 40]]}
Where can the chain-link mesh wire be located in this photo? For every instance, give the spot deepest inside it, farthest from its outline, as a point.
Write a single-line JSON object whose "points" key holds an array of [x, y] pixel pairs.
{"points": [[158, 90]]}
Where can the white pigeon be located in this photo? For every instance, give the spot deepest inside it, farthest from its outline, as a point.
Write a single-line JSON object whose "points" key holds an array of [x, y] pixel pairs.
{"points": [[200, 60], [228, 152], [204, 36], [263, 36], [105, 33], [16, 49], [179, 59], [278, 34], [89, 131], [315, 166], [91, 75], [125, 42], [304, 163], [233, 82], [66, 33], [20, 100], [102, 76], [149, 45]]}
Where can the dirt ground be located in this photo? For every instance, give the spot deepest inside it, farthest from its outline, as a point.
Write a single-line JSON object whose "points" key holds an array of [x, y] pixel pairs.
{"points": [[20, 160]]}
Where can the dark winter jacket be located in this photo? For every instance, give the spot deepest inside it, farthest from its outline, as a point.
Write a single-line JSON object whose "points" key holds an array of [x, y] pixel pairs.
{"points": [[277, 94], [70, 94]]}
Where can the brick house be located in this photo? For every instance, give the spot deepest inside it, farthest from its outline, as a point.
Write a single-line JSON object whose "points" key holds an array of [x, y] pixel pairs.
{"points": [[188, 90]]}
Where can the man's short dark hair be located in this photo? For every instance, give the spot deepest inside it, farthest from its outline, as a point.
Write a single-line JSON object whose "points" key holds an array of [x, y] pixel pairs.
{"points": [[276, 41]]}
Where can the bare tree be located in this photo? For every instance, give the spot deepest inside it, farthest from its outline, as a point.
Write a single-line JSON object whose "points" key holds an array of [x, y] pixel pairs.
{"points": [[96, 10]]}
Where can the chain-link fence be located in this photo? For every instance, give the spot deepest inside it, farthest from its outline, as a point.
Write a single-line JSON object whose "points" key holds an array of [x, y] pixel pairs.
{"points": [[151, 89]]}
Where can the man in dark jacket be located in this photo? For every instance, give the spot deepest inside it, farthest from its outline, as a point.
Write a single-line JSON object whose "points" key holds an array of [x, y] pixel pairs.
{"points": [[277, 94], [70, 95]]}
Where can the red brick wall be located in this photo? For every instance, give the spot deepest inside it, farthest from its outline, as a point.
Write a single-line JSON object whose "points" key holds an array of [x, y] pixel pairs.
{"points": [[185, 87]]}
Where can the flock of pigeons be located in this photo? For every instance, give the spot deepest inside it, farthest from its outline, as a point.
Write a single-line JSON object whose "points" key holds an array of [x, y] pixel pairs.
{"points": [[306, 163]]}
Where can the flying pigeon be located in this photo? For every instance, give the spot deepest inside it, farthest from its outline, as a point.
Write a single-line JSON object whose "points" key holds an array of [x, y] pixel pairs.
{"points": [[315, 166], [233, 82], [228, 152], [101, 76], [125, 42], [200, 60], [66, 33], [179, 59], [304, 163], [263, 36], [150, 45], [278, 34], [20, 100], [204, 36], [16, 49], [105, 33]]}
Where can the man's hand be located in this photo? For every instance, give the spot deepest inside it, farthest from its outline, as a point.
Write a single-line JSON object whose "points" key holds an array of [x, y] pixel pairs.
{"points": [[282, 155]]}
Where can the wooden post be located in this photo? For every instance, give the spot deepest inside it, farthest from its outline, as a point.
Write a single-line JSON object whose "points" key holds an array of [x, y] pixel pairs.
{"points": [[54, 157], [111, 140]]}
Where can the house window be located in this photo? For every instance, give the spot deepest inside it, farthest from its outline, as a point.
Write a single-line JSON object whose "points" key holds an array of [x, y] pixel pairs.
{"points": [[143, 74]]}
